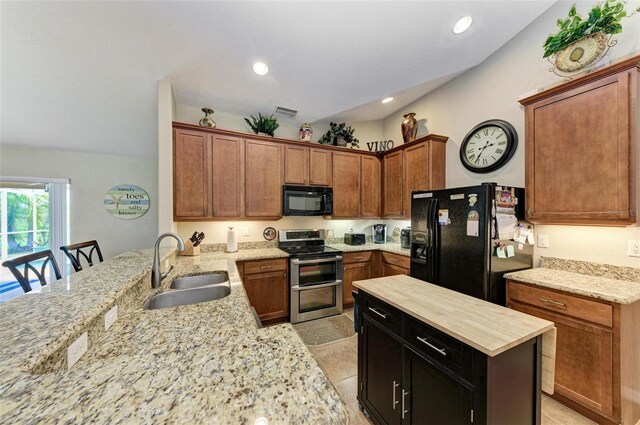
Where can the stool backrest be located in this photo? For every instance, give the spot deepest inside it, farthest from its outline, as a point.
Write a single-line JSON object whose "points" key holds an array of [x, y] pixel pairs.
{"points": [[81, 250], [25, 262]]}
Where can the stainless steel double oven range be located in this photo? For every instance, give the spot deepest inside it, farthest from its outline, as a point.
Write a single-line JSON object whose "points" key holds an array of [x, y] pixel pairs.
{"points": [[315, 274]]}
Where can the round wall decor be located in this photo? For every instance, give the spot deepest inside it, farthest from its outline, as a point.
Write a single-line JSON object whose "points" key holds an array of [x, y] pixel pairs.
{"points": [[126, 201], [488, 146]]}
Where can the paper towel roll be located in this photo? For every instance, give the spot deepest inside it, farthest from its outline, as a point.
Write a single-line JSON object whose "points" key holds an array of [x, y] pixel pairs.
{"points": [[232, 240]]}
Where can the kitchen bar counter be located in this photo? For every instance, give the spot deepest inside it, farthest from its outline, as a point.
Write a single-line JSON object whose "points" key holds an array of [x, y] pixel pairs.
{"points": [[203, 363], [489, 328]]}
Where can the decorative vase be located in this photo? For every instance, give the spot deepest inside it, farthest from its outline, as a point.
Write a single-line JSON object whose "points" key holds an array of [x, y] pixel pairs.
{"points": [[306, 132], [207, 121], [341, 141], [409, 127]]}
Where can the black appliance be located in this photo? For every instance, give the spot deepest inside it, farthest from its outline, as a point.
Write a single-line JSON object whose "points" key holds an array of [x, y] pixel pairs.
{"points": [[405, 238], [354, 238], [454, 234], [315, 274], [307, 200], [379, 233]]}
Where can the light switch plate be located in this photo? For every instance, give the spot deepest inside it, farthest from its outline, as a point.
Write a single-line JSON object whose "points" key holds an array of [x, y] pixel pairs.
{"points": [[634, 249], [245, 231], [110, 317], [543, 241], [77, 350]]}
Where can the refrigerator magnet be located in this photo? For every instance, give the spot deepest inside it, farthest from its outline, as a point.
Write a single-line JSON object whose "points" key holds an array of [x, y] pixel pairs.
{"points": [[443, 217], [473, 223], [473, 198]]}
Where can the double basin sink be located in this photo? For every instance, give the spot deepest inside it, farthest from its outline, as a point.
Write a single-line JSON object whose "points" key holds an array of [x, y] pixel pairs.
{"points": [[192, 290]]}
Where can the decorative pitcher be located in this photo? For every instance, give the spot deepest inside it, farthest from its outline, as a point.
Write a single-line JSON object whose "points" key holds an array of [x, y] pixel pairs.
{"points": [[207, 121], [409, 127], [306, 132]]}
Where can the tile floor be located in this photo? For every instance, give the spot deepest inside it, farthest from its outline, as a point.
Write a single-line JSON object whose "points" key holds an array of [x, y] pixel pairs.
{"points": [[339, 360]]}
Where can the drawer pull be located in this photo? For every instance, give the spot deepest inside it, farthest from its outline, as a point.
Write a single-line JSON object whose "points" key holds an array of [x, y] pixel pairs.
{"points": [[548, 301], [357, 258], [439, 350], [393, 259], [404, 393], [265, 267], [394, 394], [384, 316]]}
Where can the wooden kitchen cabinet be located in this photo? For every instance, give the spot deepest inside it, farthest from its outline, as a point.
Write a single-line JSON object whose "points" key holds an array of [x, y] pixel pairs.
{"points": [[191, 174], [266, 283], [356, 266], [581, 144], [307, 166], [263, 179], [370, 183], [597, 346], [419, 165], [394, 264], [346, 185], [227, 171]]}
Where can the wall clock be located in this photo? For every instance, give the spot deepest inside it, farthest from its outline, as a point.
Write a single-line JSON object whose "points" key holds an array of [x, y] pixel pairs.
{"points": [[488, 146]]}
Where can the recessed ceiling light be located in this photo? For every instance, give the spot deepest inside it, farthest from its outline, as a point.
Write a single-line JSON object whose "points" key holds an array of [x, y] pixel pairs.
{"points": [[260, 68], [462, 25], [387, 99]]}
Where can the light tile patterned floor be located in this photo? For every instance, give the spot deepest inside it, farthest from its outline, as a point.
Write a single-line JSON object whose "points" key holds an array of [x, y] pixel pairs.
{"points": [[339, 360]]}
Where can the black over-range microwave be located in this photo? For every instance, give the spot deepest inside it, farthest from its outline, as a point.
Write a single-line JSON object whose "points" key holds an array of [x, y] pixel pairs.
{"points": [[307, 200]]}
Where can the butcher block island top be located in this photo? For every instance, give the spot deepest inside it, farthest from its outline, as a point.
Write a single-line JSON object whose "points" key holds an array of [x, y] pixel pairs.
{"points": [[489, 328]]}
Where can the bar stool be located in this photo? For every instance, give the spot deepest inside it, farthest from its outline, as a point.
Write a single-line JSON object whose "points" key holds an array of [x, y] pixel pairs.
{"points": [[26, 260], [75, 259]]}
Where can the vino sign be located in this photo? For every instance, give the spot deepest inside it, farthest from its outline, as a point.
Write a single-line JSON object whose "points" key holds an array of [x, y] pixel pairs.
{"points": [[380, 146]]}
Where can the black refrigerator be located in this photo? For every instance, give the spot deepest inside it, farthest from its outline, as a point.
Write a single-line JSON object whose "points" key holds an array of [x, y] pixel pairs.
{"points": [[462, 238]]}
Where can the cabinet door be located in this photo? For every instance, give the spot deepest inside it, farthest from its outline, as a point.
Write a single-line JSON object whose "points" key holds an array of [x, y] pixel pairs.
{"points": [[346, 184], [431, 396], [370, 186], [228, 184], [391, 270], [382, 373], [263, 176], [578, 163], [268, 293], [191, 174], [353, 272], [584, 360], [415, 169], [392, 185], [320, 167], [296, 165]]}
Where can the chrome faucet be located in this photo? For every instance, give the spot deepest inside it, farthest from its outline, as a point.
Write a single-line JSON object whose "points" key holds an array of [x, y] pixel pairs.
{"points": [[156, 275]]}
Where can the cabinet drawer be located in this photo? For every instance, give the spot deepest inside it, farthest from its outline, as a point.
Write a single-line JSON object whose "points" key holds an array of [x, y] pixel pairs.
{"points": [[445, 350], [356, 257], [396, 260], [592, 311], [382, 313], [263, 266]]}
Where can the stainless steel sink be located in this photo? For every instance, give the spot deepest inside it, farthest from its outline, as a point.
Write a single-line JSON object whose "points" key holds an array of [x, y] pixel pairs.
{"points": [[187, 296], [189, 282]]}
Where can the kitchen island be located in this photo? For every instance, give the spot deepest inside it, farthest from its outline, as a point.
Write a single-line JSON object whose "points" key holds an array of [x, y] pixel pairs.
{"points": [[201, 363], [430, 355]]}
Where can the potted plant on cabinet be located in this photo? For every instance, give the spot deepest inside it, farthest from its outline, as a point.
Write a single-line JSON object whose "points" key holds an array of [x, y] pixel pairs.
{"points": [[339, 135], [266, 124]]}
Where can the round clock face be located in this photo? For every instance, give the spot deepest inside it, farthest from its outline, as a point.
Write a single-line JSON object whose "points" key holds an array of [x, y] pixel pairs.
{"points": [[488, 146]]}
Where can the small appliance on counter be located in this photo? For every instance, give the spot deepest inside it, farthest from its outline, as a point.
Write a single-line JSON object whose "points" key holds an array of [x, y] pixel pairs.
{"points": [[379, 233], [354, 238], [405, 238]]}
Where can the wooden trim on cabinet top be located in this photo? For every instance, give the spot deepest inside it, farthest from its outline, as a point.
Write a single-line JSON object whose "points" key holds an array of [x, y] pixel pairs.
{"points": [[630, 62], [428, 138]]}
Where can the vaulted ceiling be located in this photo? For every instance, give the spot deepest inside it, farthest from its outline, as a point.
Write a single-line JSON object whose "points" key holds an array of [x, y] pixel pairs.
{"points": [[83, 75]]}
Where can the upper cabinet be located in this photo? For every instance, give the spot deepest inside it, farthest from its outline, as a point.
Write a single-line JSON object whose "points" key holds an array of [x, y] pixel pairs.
{"points": [[263, 179], [227, 172], [346, 184], [418, 165], [370, 181], [307, 166], [581, 144], [191, 174]]}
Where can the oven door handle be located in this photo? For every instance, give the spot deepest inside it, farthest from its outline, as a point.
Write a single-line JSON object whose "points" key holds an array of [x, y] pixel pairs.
{"points": [[324, 285], [317, 260]]}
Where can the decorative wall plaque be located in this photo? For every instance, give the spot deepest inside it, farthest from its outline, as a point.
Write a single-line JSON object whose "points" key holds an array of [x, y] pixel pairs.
{"points": [[126, 201]]}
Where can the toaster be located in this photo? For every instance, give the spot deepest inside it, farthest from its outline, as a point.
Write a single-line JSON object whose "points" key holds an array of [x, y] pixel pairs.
{"points": [[354, 238]]}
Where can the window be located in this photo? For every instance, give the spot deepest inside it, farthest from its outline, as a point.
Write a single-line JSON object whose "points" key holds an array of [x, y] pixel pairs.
{"points": [[33, 218]]}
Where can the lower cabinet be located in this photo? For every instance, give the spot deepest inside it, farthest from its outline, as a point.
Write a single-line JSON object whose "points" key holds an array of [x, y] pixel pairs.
{"points": [[267, 285], [411, 373], [356, 266], [394, 264]]}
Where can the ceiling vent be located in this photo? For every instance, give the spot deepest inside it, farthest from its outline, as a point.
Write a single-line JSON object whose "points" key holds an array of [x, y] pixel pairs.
{"points": [[286, 111]]}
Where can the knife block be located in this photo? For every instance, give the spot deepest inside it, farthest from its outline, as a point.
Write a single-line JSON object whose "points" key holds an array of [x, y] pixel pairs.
{"points": [[189, 249]]}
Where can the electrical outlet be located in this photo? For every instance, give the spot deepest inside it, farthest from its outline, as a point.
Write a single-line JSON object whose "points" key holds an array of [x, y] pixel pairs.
{"points": [[245, 231], [634, 249], [543, 241], [77, 350], [350, 228], [110, 317]]}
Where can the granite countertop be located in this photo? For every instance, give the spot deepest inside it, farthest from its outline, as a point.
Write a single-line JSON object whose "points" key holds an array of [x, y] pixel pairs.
{"points": [[604, 288], [191, 364], [487, 327], [387, 247]]}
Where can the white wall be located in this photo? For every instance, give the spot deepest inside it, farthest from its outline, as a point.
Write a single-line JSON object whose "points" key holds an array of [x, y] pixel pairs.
{"points": [[91, 176], [491, 90], [166, 114]]}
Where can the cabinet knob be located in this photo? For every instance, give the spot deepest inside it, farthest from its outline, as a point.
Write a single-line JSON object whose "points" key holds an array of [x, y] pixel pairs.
{"points": [[404, 393], [394, 394]]}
